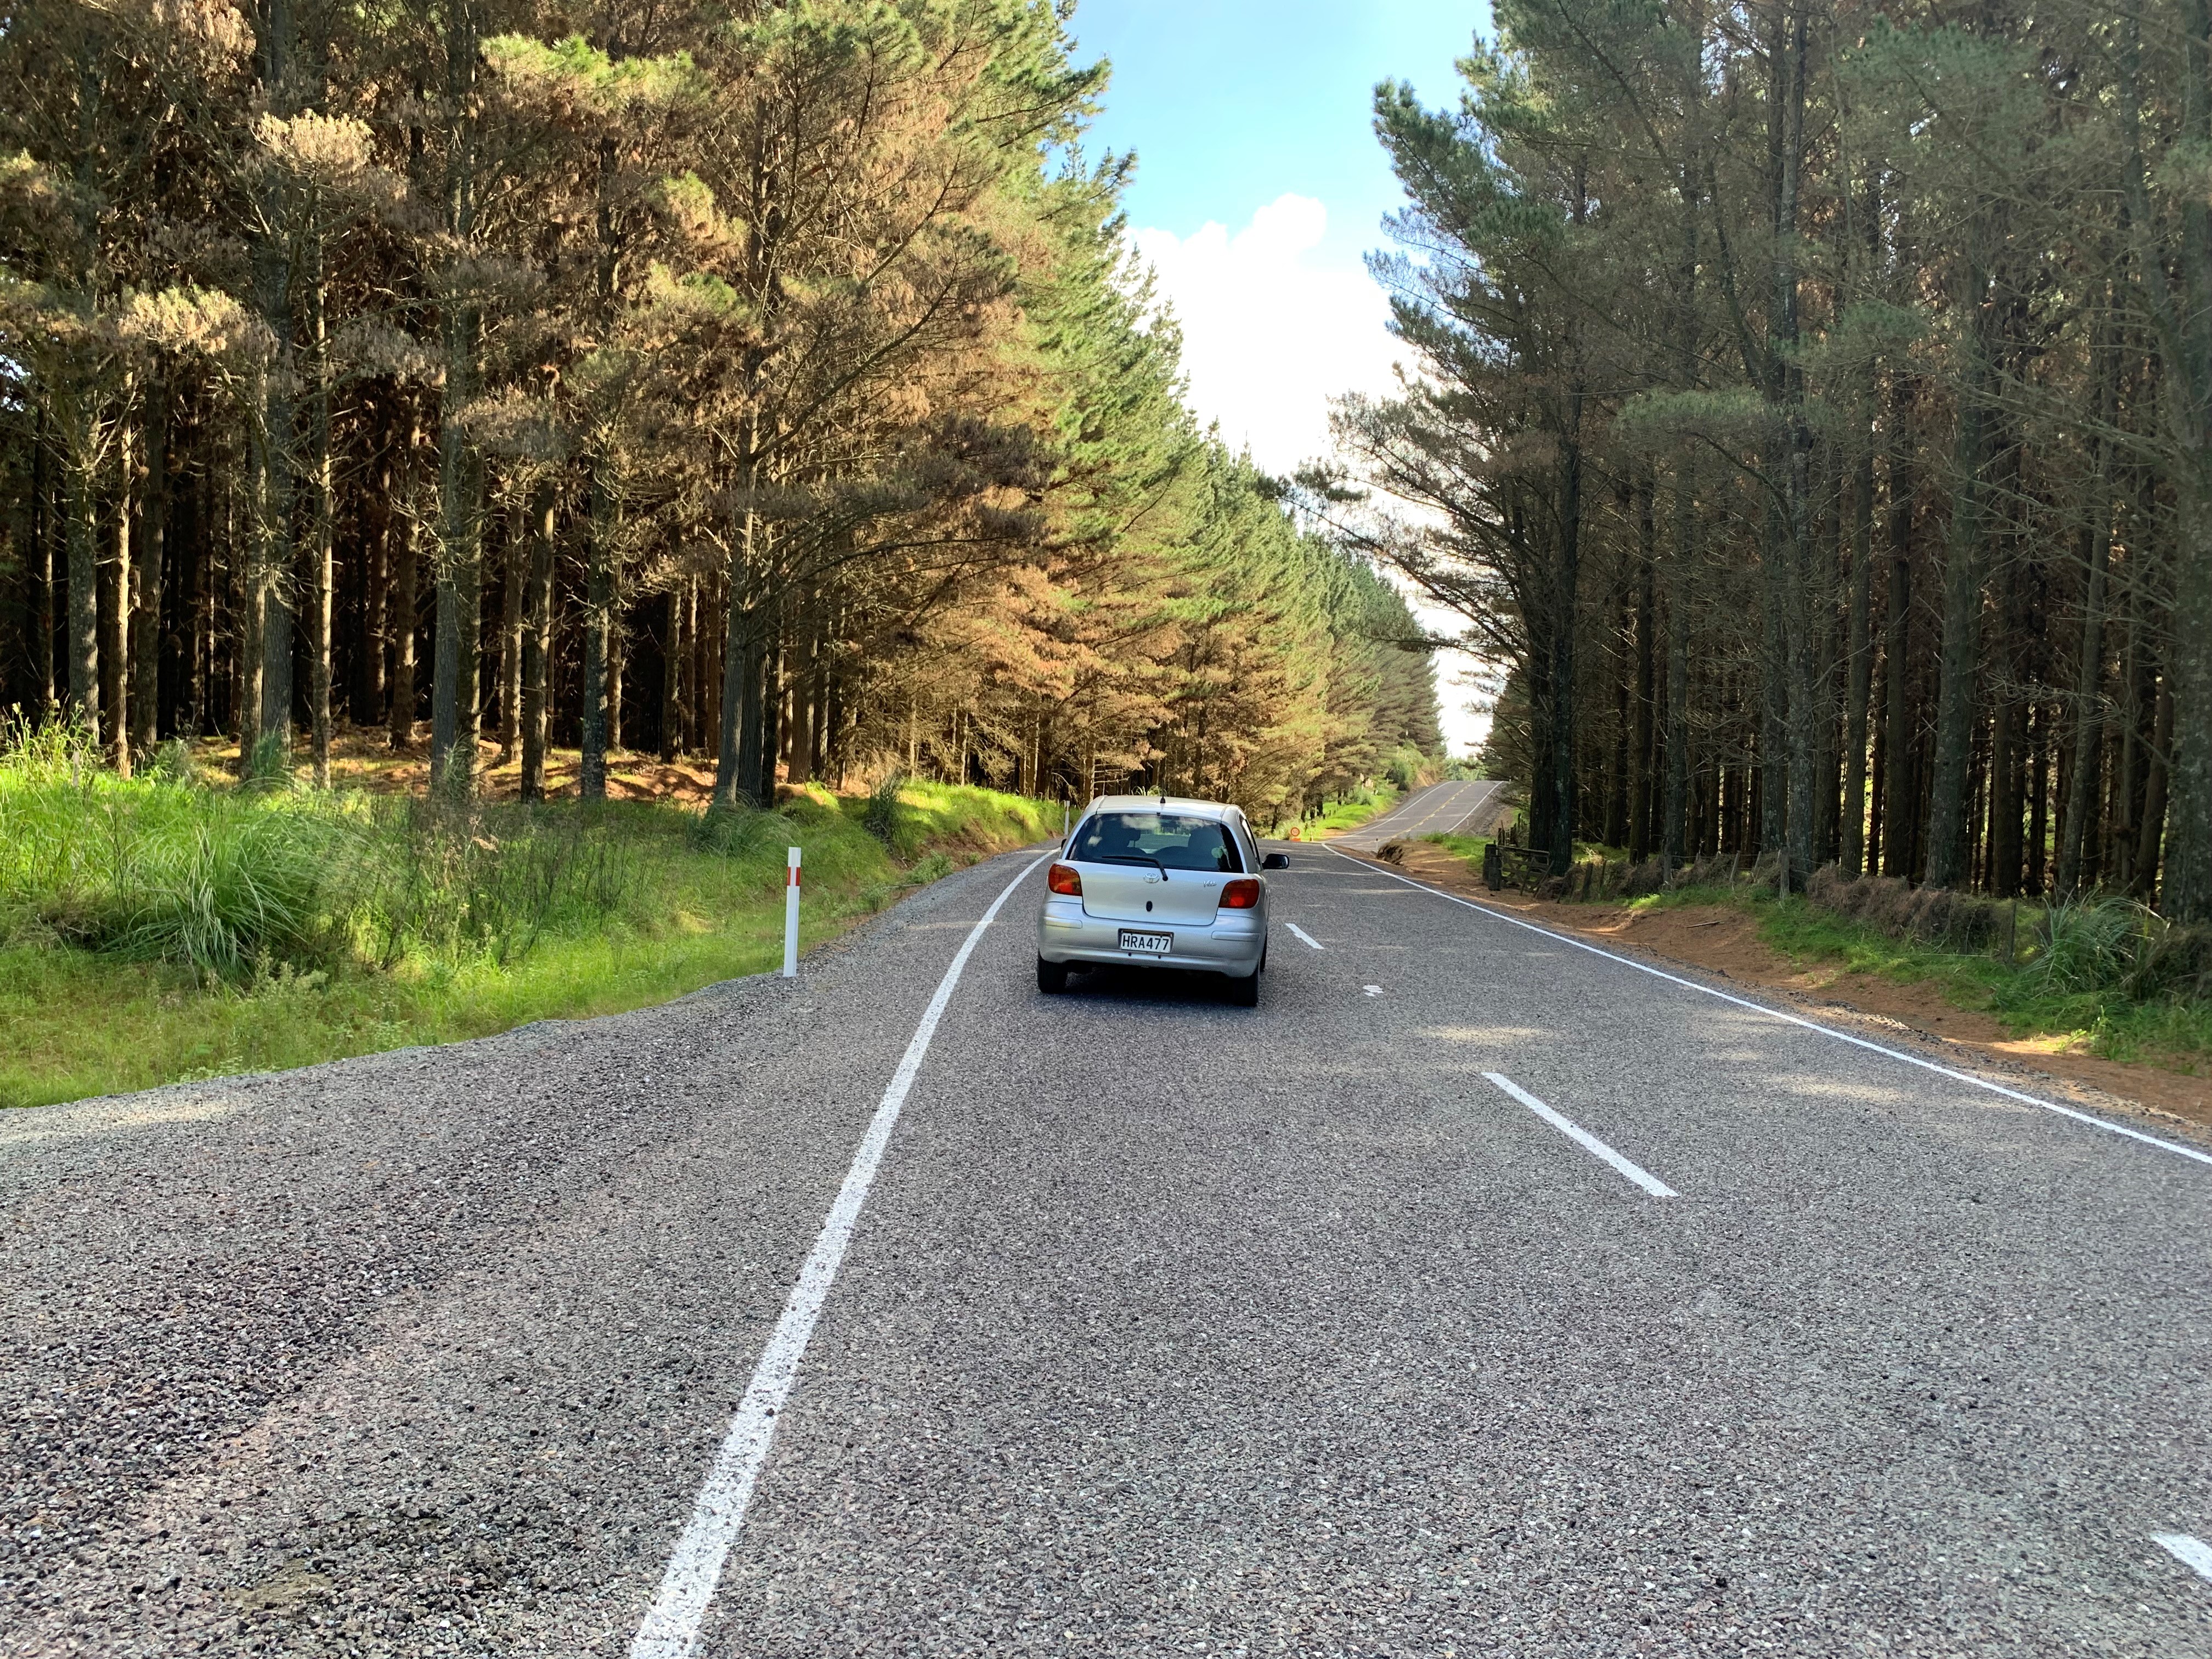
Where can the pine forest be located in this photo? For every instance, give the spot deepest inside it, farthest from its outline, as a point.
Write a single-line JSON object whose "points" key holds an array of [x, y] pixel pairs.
{"points": [[759, 383], [1814, 413]]}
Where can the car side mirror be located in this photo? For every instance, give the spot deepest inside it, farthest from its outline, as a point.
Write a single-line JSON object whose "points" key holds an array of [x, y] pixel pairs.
{"points": [[1275, 861]]}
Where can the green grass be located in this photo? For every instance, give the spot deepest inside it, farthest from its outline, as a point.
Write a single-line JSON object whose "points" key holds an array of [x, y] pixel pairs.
{"points": [[318, 926], [2028, 998], [1349, 814], [2025, 997], [2075, 987], [1469, 847]]}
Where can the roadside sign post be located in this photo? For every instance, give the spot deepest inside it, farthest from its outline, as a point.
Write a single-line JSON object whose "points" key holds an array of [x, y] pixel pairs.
{"points": [[791, 918]]}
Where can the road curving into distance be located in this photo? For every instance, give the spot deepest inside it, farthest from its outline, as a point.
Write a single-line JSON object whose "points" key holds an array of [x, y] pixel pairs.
{"points": [[1438, 809], [1478, 1292]]}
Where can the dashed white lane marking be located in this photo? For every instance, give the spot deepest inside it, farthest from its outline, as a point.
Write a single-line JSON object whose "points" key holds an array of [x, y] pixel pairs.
{"points": [[671, 1627], [2193, 1552], [1584, 1138], [1372, 990], [1305, 935], [1792, 1019]]}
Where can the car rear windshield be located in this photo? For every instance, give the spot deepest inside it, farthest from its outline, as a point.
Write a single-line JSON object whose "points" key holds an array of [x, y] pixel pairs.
{"points": [[1174, 841]]}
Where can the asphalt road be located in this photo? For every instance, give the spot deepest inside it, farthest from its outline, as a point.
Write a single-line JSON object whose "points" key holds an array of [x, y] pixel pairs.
{"points": [[1168, 1327], [1441, 809]]}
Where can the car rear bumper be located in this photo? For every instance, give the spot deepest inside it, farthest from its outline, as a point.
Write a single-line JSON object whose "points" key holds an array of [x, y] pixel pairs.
{"points": [[1231, 943]]}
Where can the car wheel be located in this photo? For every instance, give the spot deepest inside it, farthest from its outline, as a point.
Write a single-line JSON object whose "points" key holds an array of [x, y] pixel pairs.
{"points": [[1052, 977], [1245, 992]]}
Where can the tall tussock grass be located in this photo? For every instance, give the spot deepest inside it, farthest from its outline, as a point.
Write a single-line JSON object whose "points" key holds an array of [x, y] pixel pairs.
{"points": [[188, 924], [154, 866], [2097, 943], [233, 883], [492, 882]]}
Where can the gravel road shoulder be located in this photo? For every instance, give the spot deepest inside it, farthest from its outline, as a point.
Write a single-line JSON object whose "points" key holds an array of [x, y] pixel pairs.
{"points": [[415, 1351]]}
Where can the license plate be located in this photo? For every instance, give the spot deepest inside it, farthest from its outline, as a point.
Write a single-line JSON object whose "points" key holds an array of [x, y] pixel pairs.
{"points": [[1152, 945]]}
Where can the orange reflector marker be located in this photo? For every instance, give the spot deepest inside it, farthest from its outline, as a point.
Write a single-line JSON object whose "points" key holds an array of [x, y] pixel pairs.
{"points": [[1065, 878], [1240, 894]]}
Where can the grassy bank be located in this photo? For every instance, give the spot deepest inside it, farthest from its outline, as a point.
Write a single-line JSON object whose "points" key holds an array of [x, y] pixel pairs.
{"points": [[1362, 804], [2076, 985], [164, 929], [2095, 974]]}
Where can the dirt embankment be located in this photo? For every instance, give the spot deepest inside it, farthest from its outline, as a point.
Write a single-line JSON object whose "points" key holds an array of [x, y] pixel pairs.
{"points": [[1725, 942]]}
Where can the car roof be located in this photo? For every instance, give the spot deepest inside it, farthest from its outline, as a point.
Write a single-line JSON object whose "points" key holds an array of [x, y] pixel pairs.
{"points": [[1201, 809]]}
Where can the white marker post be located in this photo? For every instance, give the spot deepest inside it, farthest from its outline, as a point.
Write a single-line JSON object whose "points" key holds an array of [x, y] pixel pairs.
{"points": [[791, 918]]}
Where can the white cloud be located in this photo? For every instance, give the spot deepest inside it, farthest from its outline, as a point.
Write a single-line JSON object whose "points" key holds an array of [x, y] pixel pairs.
{"points": [[1272, 328]]}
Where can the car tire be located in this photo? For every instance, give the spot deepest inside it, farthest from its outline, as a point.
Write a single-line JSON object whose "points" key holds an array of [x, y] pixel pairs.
{"points": [[1245, 992], [1052, 977]]}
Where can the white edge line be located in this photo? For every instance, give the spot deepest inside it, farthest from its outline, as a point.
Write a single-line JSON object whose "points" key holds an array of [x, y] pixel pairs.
{"points": [[669, 1629], [1305, 935], [2174, 1146], [2193, 1552], [1583, 1138]]}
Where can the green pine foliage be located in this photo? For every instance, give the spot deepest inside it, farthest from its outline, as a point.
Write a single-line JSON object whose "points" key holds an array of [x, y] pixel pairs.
{"points": [[779, 377], [1813, 422]]}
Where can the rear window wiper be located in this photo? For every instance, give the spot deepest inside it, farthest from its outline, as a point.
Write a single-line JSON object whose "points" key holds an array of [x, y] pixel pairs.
{"points": [[1118, 858]]}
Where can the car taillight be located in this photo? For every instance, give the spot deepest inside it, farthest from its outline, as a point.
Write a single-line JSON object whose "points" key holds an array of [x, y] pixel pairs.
{"points": [[1240, 895], [1065, 878]]}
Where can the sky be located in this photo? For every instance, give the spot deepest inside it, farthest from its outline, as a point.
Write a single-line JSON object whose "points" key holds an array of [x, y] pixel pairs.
{"points": [[1260, 185]]}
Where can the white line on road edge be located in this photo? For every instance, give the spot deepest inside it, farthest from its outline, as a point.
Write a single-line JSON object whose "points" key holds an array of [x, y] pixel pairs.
{"points": [[671, 1627], [2193, 1552], [1584, 1138], [1305, 935], [1956, 1076]]}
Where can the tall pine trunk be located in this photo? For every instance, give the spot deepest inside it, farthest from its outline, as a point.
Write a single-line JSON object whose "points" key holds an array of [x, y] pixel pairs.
{"points": [[81, 545], [2087, 723], [1642, 732], [515, 578], [1800, 709], [406, 592], [599, 618], [1565, 594], [459, 600], [118, 591], [673, 645], [366, 702], [321, 514], [599, 551], [1901, 784], [152, 550], [1950, 785], [2183, 319], [537, 640], [265, 729], [1675, 838], [454, 712], [737, 769], [1858, 692]]}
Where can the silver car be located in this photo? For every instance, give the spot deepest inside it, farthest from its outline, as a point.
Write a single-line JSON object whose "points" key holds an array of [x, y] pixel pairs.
{"points": [[1153, 881]]}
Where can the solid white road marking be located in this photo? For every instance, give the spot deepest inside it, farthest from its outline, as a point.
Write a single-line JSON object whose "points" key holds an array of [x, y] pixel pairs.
{"points": [[1305, 935], [671, 1627], [1438, 799], [1584, 1138], [1956, 1076], [2193, 1552], [1372, 990]]}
